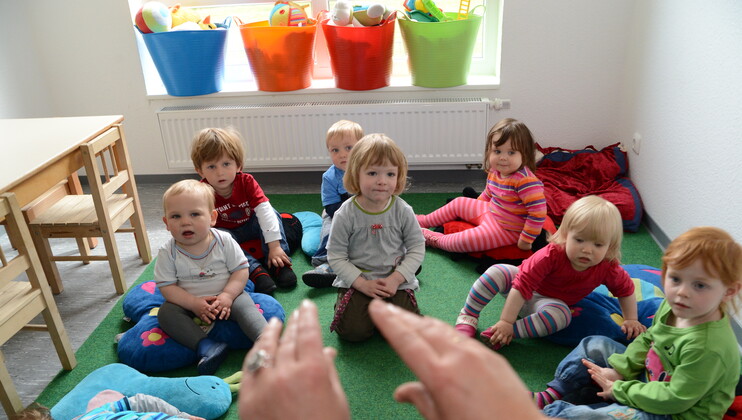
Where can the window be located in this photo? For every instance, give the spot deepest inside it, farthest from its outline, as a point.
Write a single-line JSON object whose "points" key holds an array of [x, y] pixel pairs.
{"points": [[238, 76]]}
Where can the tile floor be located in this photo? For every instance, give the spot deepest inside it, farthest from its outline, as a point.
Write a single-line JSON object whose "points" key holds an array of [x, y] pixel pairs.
{"points": [[88, 289]]}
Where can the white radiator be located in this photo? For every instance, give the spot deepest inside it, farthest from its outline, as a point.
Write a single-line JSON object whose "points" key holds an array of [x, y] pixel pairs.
{"points": [[432, 133]]}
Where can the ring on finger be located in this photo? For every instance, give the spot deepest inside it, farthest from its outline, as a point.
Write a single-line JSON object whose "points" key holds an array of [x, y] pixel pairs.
{"points": [[258, 360]]}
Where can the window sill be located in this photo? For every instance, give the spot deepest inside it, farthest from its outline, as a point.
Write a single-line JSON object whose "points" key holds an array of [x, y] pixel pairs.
{"points": [[327, 86]]}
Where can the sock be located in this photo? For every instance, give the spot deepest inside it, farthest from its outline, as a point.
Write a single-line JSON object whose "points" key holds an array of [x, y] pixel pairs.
{"points": [[544, 398], [548, 319]]}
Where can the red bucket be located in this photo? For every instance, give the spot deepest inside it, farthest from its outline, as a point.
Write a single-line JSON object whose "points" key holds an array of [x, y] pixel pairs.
{"points": [[361, 57]]}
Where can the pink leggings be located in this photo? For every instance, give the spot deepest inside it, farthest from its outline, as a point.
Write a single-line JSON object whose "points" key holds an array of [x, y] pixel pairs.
{"points": [[485, 235]]}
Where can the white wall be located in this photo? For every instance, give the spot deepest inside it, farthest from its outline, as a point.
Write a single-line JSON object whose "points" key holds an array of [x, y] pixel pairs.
{"points": [[683, 86], [578, 72]]}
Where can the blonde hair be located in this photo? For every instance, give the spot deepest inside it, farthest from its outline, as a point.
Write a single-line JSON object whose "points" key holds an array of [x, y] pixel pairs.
{"points": [[374, 149], [342, 128], [720, 255], [203, 190], [596, 219], [520, 138], [211, 143]]}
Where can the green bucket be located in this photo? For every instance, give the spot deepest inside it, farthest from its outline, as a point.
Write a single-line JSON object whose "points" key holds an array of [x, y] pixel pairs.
{"points": [[440, 52]]}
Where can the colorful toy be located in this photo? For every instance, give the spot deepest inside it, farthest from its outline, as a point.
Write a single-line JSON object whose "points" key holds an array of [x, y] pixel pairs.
{"points": [[153, 16], [346, 14], [288, 13], [424, 11], [204, 396], [182, 15]]}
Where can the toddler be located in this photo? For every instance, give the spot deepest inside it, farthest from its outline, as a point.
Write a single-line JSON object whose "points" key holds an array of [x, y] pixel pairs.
{"points": [[244, 210], [201, 272], [511, 209], [583, 254], [375, 243], [686, 365], [341, 137]]}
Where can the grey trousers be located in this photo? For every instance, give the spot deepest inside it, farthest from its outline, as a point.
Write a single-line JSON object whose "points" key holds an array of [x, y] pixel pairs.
{"points": [[178, 323]]}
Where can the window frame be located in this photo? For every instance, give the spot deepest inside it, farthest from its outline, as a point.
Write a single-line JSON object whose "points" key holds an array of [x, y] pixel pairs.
{"points": [[484, 72]]}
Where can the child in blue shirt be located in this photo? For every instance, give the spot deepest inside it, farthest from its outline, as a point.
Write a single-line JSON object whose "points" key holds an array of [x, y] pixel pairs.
{"points": [[340, 139]]}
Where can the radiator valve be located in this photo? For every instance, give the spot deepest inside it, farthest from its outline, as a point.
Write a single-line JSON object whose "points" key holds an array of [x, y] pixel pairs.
{"points": [[498, 104]]}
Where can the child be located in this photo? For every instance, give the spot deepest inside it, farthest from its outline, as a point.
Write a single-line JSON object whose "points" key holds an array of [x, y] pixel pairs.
{"points": [[201, 272], [244, 210], [510, 210], [686, 365], [116, 406], [341, 137], [375, 244], [583, 254]]}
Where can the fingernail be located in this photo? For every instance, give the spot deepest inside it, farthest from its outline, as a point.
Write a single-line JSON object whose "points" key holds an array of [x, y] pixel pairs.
{"points": [[306, 303], [392, 307]]}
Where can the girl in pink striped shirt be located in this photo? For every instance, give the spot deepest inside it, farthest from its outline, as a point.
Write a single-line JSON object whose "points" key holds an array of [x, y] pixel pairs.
{"points": [[511, 209]]}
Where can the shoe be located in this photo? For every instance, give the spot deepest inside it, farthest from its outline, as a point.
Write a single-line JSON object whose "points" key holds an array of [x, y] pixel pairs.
{"points": [[211, 354], [321, 276], [263, 281], [485, 336], [284, 277], [467, 325]]}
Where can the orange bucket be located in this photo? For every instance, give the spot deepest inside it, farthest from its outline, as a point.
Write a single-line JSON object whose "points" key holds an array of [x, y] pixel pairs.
{"points": [[280, 56], [361, 57]]}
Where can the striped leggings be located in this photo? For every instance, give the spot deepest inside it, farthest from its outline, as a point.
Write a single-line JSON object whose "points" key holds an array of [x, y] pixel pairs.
{"points": [[487, 233], [540, 316]]}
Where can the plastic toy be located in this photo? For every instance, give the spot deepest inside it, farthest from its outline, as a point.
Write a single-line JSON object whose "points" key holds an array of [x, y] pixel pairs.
{"points": [[204, 396], [288, 13], [182, 15], [346, 14], [153, 16], [424, 11]]}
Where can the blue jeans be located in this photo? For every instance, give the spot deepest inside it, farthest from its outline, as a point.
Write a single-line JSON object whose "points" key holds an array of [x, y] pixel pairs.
{"points": [[571, 375], [320, 256], [251, 230]]}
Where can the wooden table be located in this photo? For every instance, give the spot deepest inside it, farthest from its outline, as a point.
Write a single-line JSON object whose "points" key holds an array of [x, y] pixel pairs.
{"points": [[39, 153]]}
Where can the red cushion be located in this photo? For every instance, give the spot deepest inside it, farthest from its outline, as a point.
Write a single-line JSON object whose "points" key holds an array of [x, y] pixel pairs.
{"points": [[508, 252]]}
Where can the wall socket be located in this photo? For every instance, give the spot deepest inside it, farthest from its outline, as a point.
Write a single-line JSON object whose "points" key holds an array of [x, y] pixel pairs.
{"points": [[636, 143]]}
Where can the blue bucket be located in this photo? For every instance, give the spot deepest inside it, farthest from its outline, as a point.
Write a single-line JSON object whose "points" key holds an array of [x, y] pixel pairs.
{"points": [[190, 63]]}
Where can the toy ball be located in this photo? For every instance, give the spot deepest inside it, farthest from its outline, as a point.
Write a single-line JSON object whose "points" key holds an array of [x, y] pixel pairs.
{"points": [[288, 13], [153, 17]]}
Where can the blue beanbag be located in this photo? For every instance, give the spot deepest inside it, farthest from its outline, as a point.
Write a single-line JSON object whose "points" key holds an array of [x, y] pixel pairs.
{"points": [[312, 228], [204, 396], [147, 348], [600, 314]]}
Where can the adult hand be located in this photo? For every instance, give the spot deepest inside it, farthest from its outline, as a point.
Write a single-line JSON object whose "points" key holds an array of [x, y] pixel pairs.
{"points": [[298, 378], [604, 377], [456, 374], [632, 328]]}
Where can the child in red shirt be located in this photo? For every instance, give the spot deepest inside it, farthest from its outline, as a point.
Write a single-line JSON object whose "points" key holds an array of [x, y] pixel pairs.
{"points": [[242, 207]]}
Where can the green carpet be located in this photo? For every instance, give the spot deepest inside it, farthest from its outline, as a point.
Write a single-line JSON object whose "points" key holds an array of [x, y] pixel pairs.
{"points": [[369, 371]]}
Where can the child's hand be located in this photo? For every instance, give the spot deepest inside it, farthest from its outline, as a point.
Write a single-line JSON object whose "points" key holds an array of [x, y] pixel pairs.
{"points": [[632, 328], [391, 283], [502, 333], [276, 256], [373, 288], [525, 246], [223, 306], [604, 377], [204, 309]]}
